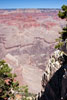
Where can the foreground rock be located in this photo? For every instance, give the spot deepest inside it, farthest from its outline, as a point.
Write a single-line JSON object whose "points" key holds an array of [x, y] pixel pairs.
{"points": [[56, 87]]}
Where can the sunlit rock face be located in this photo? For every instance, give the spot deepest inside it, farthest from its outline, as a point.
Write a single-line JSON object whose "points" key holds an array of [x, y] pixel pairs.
{"points": [[29, 35], [54, 63]]}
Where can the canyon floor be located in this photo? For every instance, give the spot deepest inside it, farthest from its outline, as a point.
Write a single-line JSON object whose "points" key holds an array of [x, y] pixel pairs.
{"points": [[27, 39]]}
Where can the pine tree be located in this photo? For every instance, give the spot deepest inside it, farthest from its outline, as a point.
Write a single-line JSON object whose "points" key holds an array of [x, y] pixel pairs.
{"points": [[9, 87], [62, 41], [6, 81], [63, 14]]}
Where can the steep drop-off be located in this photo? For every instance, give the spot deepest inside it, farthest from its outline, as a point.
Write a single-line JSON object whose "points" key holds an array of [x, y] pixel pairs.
{"points": [[55, 82]]}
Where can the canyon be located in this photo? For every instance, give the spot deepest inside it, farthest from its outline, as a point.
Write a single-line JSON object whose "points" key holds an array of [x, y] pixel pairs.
{"points": [[27, 39]]}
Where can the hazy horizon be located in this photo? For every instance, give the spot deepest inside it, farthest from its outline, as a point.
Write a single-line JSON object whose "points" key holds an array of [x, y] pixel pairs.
{"points": [[27, 8]]}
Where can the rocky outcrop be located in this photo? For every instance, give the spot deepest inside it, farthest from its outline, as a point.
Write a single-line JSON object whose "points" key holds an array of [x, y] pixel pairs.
{"points": [[55, 87], [54, 64]]}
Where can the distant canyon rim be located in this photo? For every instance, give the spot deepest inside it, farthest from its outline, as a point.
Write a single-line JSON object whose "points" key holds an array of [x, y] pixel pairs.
{"points": [[27, 39]]}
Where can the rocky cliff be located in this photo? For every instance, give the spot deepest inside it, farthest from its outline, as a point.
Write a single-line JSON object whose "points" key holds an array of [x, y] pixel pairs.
{"points": [[54, 82]]}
